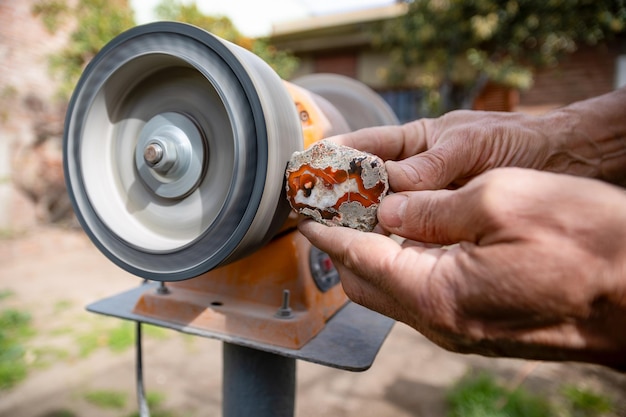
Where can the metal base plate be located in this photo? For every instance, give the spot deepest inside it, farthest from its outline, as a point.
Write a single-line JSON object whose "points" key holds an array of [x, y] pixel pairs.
{"points": [[350, 340]]}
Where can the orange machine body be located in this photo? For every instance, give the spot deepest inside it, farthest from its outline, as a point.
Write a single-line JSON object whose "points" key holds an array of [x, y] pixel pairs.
{"points": [[245, 299]]}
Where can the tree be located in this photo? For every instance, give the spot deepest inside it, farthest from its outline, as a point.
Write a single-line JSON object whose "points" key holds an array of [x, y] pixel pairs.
{"points": [[451, 48], [95, 23], [282, 62]]}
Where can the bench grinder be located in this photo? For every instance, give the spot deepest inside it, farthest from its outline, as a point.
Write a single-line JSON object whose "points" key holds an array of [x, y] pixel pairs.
{"points": [[175, 147]]}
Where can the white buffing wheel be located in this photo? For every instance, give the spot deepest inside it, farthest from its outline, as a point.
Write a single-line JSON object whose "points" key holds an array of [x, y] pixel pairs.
{"points": [[175, 147]]}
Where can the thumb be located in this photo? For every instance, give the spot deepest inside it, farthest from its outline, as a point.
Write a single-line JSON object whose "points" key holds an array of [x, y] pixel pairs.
{"points": [[430, 216], [433, 169]]}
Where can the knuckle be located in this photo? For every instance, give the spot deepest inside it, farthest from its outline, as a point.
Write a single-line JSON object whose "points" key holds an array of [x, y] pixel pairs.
{"points": [[435, 160], [495, 196], [428, 224]]}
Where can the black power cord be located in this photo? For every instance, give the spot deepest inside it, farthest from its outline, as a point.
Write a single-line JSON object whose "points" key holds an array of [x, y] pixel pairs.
{"points": [[144, 411], [142, 403]]}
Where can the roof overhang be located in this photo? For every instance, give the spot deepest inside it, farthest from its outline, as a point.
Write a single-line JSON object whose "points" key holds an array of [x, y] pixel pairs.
{"points": [[343, 30]]}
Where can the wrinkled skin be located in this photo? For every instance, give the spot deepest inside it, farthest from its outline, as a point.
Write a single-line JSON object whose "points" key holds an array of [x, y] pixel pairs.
{"points": [[497, 261]]}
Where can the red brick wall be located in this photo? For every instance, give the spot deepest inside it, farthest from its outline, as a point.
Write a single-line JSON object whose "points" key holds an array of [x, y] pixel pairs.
{"points": [[588, 72], [344, 64], [495, 97]]}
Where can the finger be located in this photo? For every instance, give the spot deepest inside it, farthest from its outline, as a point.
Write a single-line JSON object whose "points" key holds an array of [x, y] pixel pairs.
{"points": [[407, 243], [442, 217], [377, 272], [366, 254], [433, 169], [367, 294], [380, 230], [374, 258], [361, 291], [388, 142]]}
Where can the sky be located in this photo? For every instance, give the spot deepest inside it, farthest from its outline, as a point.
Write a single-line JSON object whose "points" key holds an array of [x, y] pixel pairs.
{"points": [[254, 17]]}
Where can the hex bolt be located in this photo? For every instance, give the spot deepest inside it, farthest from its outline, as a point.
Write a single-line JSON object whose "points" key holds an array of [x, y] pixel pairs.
{"points": [[153, 153], [162, 290], [285, 312]]}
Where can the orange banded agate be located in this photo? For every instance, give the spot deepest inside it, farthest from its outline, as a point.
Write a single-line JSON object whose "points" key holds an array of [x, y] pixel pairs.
{"points": [[336, 185]]}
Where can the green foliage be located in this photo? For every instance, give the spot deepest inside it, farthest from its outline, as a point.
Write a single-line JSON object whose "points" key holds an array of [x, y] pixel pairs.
{"points": [[457, 43], [282, 62], [482, 396], [51, 12], [220, 26], [96, 23], [107, 399], [15, 329], [586, 403]]}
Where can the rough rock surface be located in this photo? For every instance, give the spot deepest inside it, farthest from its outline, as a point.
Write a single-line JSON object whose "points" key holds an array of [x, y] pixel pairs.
{"points": [[337, 185]]}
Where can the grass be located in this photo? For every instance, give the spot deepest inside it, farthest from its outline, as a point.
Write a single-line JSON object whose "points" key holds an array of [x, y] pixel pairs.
{"points": [[155, 401], [62, 305], [15, 329], [115, 334], [61, 413], [480, 395], [104, 332], [48, 355], [4, 294], [117, 400], [586, 403], [122, 337], [109, 399]]}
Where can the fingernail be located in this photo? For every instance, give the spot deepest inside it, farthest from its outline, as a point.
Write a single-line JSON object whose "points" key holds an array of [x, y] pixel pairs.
{"points": [[391, 210]]}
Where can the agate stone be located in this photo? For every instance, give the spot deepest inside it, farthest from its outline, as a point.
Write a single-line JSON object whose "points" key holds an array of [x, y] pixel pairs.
{"points": [[337, 185]]}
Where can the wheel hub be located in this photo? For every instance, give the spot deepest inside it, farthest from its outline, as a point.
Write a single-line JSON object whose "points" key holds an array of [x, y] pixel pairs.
{"points": [[170, 155]]}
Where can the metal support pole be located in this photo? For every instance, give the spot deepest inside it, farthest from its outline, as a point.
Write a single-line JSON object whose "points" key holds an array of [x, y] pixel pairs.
{"points": [[257, 383]]}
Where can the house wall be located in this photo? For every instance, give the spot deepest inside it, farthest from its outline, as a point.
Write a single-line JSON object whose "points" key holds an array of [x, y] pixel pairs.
{"points": [[590, 71], [344, 63], [28, 111]]}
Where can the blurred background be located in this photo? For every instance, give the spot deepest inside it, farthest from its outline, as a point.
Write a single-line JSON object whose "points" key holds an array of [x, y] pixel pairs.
{"points": [[423, 57]]}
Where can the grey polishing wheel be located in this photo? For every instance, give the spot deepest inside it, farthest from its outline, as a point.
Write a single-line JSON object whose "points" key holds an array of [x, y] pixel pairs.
{"points": [[360, 106], [175, 147]]}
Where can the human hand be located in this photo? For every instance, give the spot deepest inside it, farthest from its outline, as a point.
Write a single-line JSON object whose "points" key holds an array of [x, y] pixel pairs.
{"points": [[539, 271], [448, 151]]}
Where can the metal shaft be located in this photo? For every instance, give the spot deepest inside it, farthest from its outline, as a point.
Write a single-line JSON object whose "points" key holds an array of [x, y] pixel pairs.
{"points": [[257, 383]]}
